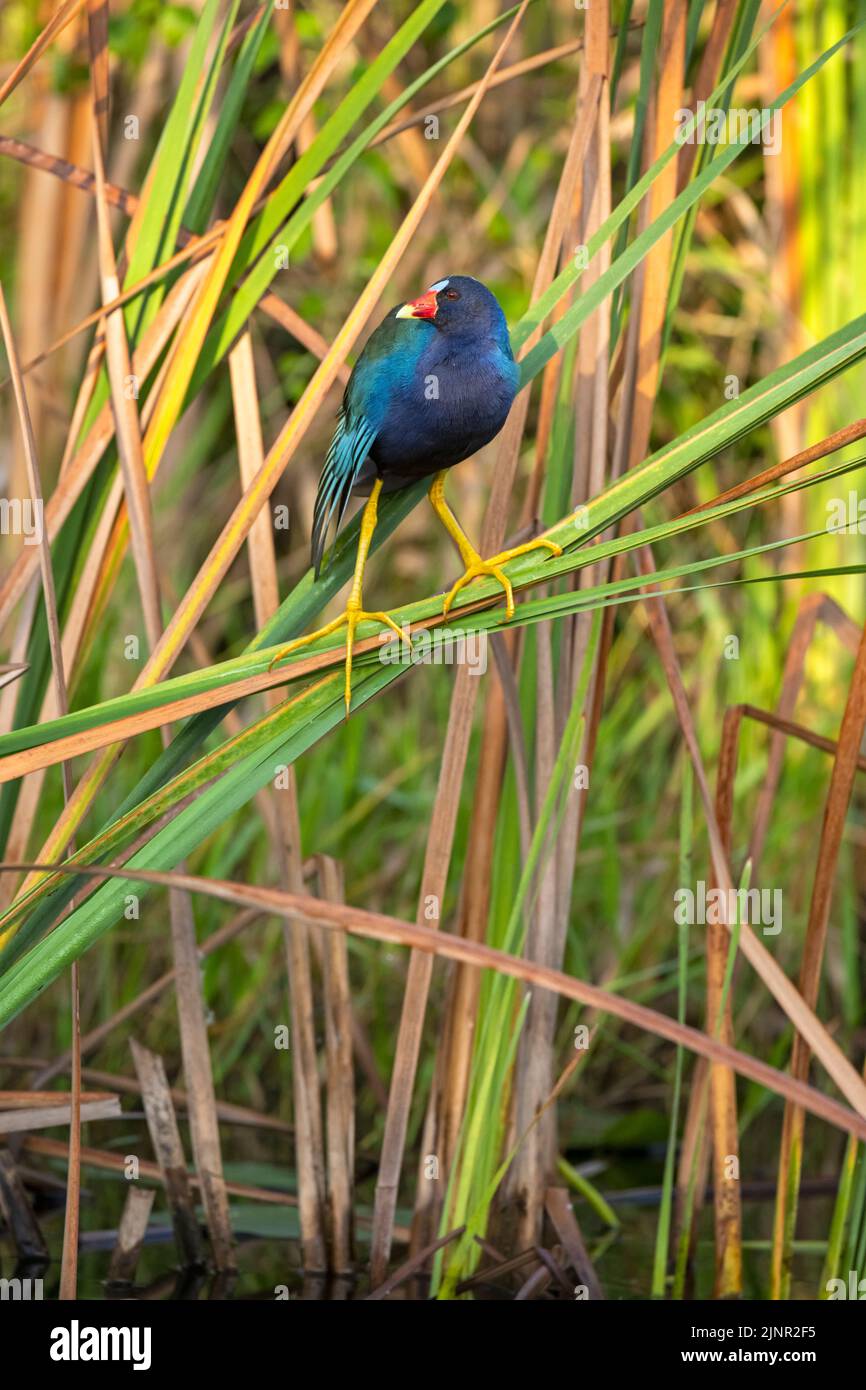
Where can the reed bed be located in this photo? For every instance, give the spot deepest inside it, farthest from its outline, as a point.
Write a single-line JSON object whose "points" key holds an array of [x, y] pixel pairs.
{"points": [[542, 982]]}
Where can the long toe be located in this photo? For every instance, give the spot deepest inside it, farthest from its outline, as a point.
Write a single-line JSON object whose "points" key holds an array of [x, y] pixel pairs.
{"points": [[284, 651], [509, 592], [353, 617], [348, 689], [455, 590], [299, 642], [540, 544], [484, 569], [386, 621], [351, 623]]}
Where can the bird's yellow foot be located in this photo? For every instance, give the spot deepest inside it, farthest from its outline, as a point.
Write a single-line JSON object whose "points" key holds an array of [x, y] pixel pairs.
{"points": [[350, 619], [476, 568]]}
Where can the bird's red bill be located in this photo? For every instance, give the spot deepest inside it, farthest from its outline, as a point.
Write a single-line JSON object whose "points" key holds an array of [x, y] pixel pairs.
{"points": [[424, 307]]}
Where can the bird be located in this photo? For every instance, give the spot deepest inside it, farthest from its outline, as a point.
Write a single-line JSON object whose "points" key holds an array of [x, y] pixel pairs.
{"points": [[434, 384]]}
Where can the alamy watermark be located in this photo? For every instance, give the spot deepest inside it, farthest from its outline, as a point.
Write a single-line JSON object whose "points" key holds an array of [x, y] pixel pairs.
{"points": [[21, 1290], [718, 907], [22, 516], [77, 1343], [441, 647], [711, 125], [847, 515], [854, 1287]]}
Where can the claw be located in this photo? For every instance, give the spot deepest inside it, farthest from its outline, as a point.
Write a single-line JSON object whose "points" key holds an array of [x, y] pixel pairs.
{"points": [[305, 641], [479, 568], [349, 619]]}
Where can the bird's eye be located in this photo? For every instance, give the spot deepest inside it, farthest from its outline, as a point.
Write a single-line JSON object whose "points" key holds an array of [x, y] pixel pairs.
{"points": [[452, 294]]}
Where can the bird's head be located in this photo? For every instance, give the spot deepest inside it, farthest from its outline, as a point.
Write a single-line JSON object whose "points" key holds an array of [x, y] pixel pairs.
{"points": [[458, 305]]}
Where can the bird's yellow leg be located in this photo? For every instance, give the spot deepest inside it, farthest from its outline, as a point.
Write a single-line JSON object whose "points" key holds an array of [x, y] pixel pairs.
{"points": [[354, 613], [476, 567]]}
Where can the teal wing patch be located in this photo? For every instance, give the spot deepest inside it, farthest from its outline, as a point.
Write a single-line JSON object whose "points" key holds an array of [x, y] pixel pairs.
{"points": [[350, 446]]}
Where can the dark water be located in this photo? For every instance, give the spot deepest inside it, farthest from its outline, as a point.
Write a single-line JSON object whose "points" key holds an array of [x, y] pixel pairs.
{"points": [[269, 1260]]}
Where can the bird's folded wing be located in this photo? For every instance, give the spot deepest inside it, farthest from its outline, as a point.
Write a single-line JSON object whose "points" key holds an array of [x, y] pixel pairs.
{"points": [[350, 446]]}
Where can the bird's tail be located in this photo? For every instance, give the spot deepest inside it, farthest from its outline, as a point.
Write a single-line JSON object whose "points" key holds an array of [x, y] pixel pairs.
{"points": [[344, 461]]}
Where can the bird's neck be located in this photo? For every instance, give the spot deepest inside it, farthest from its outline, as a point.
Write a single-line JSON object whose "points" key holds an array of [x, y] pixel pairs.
{"points": [[490, 342]]}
